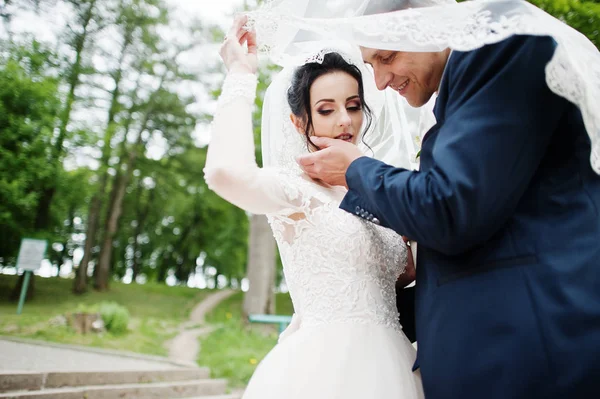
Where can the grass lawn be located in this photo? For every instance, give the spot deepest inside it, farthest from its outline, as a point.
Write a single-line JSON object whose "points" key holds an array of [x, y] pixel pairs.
{"points": [[155, 312], [234, 349]]}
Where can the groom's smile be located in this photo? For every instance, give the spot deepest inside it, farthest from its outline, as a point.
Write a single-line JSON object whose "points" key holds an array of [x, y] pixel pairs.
{"points": [[415, 76], [401, 89]]}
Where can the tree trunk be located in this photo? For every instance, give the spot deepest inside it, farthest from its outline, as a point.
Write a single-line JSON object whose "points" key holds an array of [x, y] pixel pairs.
{"points": [[135, 267], [96, 204], [163, 268], [116, 208], [260, 298], [112, 222], [64, 255], [80, 283], [142, 215], [42, 218]]}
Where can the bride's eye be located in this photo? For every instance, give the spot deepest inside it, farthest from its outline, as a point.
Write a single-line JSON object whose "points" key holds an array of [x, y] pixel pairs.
{"points": [[325, 111], [354, 107]]}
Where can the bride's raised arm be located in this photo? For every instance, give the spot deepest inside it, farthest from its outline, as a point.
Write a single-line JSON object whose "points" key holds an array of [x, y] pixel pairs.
{"points": [[231, 170]]}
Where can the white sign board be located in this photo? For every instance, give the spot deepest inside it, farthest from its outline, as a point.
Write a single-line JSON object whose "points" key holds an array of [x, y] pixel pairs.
{"points": [[31, 254]]}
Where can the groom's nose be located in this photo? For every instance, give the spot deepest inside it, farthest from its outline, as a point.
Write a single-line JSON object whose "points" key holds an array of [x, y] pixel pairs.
{"points": [[382, 77]]}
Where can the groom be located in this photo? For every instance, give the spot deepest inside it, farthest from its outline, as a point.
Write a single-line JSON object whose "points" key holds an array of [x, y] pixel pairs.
{"points": [[506, 212]]}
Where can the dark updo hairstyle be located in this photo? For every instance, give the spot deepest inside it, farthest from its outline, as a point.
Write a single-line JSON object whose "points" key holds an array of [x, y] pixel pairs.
{"points": [[298, 94]]}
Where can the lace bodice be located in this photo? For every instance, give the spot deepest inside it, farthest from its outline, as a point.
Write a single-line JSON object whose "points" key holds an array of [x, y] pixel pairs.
{"points": [[339, 268]]}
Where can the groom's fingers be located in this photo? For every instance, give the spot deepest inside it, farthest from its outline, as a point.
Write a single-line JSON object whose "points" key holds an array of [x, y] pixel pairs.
{"points": [[306, 160], [307, 164], [323, 142], [309, 170]]}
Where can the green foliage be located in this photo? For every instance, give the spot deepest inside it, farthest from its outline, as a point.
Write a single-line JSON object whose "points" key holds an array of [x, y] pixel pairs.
{"points": [[155, 310], [168, 217], [51, 102], [583, 15], [115, 317], [87, 308], [28, 106]]}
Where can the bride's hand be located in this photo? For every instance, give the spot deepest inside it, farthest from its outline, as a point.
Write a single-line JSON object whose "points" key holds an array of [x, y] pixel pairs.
{"points": [[233, 53], [410, 272]]}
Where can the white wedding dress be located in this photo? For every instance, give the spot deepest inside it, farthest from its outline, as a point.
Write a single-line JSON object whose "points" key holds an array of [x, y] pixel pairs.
{"points": [[340, 269]]}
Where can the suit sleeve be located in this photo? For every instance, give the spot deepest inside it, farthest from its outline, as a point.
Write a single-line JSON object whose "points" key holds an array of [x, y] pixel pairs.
{"points": [[498, 122]]}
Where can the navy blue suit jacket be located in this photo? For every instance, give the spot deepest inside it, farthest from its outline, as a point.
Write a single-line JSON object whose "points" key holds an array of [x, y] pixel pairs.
{"points": [[505, 209]]}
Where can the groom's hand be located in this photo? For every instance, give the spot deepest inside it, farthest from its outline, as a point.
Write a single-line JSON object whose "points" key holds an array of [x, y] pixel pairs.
{"points": [[330, 163]]}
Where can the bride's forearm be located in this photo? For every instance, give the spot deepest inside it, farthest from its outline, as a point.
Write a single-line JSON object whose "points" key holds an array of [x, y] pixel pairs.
{"points": [[231, 149], [231, 170]]}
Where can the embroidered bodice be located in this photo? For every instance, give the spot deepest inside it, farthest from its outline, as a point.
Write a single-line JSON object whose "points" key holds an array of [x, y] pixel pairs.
{"points": [[339, 268]]}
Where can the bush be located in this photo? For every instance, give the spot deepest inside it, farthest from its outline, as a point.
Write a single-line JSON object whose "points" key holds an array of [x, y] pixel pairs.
{"points": [[86, 308], [115, 317]]}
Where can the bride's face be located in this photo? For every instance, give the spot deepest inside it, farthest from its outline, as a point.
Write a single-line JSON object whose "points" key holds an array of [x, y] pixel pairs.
{"points": [[335, 108]]}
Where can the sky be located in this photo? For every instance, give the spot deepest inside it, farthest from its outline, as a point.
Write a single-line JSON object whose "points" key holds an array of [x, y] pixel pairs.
{"points": [[218, 11]]}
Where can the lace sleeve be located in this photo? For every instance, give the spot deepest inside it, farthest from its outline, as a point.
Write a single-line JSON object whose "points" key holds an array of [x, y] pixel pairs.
{"points": [[231, 170]]}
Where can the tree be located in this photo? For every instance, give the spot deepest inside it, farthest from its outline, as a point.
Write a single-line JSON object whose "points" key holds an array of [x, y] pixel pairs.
{"points": [[78, 37], [136, 21], [260, 297], [133, 210], [583, 15], [28, 106], [163, 112]]}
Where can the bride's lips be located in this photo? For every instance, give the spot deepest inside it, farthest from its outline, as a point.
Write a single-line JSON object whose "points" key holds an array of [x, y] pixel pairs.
{"points": [[345, 136]]}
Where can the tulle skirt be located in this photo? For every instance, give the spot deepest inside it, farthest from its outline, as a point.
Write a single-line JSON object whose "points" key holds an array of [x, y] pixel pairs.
{"points": [[345, 361]]}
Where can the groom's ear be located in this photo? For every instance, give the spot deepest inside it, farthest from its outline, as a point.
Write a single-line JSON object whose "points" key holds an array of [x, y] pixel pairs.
{"points": [[298, 123]]}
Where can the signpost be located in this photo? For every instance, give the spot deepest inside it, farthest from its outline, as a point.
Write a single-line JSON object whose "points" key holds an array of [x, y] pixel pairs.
{"points": [[31, 254]]}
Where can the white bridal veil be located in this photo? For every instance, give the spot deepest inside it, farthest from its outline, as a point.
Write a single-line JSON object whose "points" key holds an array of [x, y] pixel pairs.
{"points": [[288, 31]]}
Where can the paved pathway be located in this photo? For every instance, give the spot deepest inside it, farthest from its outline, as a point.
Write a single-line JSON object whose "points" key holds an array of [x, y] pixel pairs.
{"points": [[31, 355], [43, 356], [184, 348]]}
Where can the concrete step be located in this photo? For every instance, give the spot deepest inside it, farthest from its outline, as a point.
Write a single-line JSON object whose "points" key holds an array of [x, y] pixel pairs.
{"points": [[23, 380], [28, 381], [231, 396], [154, 390]]}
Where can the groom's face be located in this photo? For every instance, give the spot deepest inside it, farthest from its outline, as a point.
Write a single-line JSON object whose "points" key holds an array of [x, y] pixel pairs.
{"points": [[415, 76]]}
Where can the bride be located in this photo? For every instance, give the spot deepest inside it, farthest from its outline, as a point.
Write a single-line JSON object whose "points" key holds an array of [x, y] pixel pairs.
{"points": [[341, 270]]}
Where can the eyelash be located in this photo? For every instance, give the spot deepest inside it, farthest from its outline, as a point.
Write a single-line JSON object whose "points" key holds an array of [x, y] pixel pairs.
{"points": [[388, 59], [326, 112]]}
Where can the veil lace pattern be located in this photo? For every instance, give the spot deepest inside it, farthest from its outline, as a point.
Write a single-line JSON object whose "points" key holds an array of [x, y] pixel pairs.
{"points": [[285, 29]]}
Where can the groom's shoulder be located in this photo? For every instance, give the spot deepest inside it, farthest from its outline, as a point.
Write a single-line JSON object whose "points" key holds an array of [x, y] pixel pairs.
{"points": [[517, 48], [520, 56]]}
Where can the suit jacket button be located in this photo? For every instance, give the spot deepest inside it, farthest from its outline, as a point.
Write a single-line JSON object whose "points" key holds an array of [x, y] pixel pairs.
{"points": [[376, 221], [357, 210]]}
